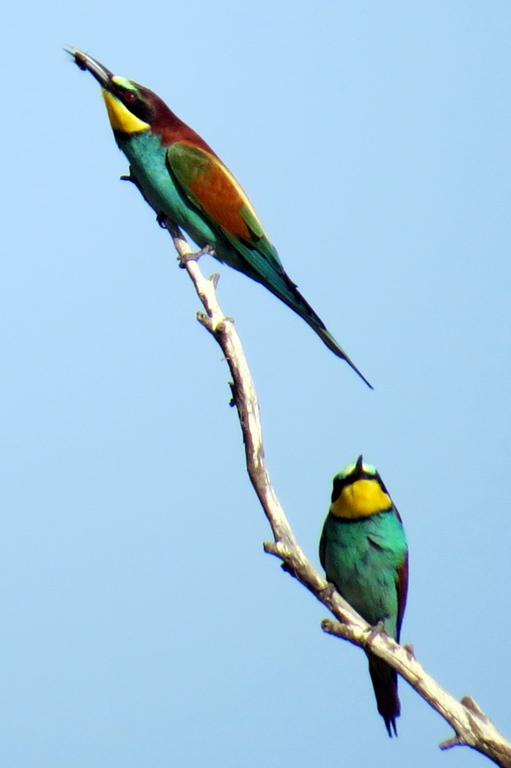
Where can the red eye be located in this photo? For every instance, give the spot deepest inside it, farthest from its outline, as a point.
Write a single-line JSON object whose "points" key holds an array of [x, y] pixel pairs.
{"points": [[129, 97]]}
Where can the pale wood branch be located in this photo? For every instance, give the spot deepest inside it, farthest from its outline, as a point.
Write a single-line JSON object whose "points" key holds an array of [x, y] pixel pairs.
{"points": [[471, 725]]}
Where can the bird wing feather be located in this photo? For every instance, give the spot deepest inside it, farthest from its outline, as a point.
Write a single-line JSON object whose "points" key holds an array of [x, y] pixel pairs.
{"points": [[209, 184], [212, 189], [402, 591]]}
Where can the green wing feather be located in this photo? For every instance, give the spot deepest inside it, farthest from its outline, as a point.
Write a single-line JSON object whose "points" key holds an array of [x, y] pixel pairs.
{"points": [[209, 184], [213, 190]]}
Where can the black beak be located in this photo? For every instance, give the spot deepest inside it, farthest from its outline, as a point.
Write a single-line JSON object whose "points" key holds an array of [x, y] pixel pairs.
{"points": [[359, 466], [97, 70]]}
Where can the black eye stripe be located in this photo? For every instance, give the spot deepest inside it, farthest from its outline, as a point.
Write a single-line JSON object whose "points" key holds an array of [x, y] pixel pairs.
{"points": [[339, 485], [135, 103], [124, 94]]}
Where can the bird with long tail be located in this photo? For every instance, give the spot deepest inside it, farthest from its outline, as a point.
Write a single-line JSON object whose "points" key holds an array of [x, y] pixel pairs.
{"points": [[186, 183]]}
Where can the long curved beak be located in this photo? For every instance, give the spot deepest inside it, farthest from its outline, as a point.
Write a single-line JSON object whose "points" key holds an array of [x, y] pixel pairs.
{"points": [[97, 70]]}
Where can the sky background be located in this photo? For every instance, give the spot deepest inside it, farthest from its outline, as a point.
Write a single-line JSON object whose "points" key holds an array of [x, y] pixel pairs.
{"points": [[141, 622]]}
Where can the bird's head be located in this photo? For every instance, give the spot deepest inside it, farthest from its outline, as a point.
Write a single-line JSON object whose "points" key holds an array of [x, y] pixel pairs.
{"points": [[131, 107], [359, 492]]}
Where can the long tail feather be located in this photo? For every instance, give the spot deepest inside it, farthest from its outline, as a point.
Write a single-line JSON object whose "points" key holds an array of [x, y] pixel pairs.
{"points": [[287, 292], [327, 338], [262, 264], [384, 680]]}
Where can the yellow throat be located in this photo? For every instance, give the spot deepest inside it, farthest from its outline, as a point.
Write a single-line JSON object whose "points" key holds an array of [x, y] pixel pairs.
{"points": [[121, 119], [362, 498]]}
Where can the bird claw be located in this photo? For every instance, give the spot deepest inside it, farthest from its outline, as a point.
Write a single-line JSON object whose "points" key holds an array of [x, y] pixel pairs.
{"points": [[378, 629], [410, 650], [287, 568], [162, 220], [208, 250], [165, 223], [329, 591]]}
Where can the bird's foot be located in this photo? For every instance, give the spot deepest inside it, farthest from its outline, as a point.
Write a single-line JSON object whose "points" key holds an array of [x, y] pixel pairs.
{"points": [[288, 568], [378, 629], [171, 226], [163, 221], [208, 250], [410, 650], [329, 591]]}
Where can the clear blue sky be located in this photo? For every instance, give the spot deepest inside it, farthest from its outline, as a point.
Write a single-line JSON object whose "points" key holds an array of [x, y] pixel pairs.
{"points": [[142, 625]]}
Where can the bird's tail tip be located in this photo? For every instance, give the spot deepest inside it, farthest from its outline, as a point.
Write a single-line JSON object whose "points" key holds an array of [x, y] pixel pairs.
{"points": [[390, 725], [336, 348], [359, 373], [384, 681]]}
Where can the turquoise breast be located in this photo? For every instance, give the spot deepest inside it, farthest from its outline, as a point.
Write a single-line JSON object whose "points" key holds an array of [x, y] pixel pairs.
{"points": [[147, 157]]}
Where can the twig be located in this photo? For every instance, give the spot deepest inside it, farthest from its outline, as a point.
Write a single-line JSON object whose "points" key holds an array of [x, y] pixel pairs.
{"points": [[471, 726]]}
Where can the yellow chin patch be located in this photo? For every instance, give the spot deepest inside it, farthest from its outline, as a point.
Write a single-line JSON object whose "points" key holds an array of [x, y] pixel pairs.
{"points": [[121, 119], [362, 498]]}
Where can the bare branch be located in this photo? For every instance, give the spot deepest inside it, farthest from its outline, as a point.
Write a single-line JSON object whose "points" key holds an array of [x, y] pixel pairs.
{"points": [[471, 726]]}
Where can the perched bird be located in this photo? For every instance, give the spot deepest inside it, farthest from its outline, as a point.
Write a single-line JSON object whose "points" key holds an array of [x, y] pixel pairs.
{"points": [[364, 553], [183, 180]]}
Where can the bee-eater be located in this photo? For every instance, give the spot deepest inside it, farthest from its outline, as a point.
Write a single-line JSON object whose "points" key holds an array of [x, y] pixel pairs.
{"points": [[364, 553], [184, 181]]}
